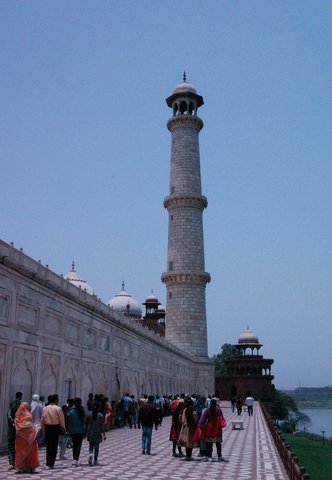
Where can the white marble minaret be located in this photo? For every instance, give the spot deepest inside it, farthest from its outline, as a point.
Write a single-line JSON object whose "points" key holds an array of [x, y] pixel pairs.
{"points": [[185, 278]]}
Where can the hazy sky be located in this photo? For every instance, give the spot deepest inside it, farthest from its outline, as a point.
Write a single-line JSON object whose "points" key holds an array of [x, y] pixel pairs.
{"points": [[85, 156]]}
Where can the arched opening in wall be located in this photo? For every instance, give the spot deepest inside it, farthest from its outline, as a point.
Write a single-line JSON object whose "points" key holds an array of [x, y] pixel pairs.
{"points": [[191, 108], [48, 381], [103, 382], [67, 390], [115, 385], [183, 107], [136, 390], [22, 381], [124, 385], [87, 387]]}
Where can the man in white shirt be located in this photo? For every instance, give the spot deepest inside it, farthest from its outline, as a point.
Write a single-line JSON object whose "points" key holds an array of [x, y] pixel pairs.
{"points": [[250, 404]]}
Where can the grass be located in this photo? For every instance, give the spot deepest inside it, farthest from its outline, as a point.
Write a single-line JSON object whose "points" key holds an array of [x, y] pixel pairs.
{"points": [[315, 457]]}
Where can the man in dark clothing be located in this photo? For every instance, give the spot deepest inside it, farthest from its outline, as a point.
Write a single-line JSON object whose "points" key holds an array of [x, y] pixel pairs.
{"points": [[147, 416], [11, 428]]}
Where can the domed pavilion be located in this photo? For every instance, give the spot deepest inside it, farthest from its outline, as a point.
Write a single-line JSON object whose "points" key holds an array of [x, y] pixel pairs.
{"points": [[247, 373], [154, 318]]}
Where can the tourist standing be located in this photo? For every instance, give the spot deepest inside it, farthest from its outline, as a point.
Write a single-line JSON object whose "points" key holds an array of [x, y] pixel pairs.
{"points": [[36, 410], [95, 433], [239, 405], [159, 407], [250, 404], [211, 422], [175, 429], [133, 411], [64, 436], [126, 402], [26, 447], [11, 432], [147, 416], [188, 429], [90, 402], [52, 423], [76, 429], [107, 411]]}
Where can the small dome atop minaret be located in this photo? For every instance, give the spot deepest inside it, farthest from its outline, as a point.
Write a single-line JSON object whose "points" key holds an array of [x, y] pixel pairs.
{"points": [[184, 86], [78, 281], [184, 95]]}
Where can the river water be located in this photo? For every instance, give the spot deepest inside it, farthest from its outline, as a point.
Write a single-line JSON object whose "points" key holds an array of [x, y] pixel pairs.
{"points": [[321, 419]]}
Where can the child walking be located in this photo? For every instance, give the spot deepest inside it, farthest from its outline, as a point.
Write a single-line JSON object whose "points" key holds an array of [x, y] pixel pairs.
{"points": [[95, 432]]}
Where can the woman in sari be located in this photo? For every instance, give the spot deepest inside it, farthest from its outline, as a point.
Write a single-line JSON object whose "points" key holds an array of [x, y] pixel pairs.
{"points": [[175, 429], [188, 429], [26, 448], [211, 422]]}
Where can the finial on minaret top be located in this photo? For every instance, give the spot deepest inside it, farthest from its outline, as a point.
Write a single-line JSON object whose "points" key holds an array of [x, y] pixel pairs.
{"points": [[73, 266], [184, 76], [123, 285]]}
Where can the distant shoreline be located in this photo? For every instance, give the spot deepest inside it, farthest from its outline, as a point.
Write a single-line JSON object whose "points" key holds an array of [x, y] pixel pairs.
{"points": [[307, 404]]}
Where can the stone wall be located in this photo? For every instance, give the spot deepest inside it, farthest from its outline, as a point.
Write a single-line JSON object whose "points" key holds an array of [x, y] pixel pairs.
{"points": [[56, 338]]}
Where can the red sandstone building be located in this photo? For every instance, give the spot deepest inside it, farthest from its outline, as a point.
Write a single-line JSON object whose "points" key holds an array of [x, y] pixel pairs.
{"points": [[248, 373]]}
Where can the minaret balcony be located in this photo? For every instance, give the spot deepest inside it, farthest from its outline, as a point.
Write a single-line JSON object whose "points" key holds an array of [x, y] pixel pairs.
{"points": [[198, 201]]}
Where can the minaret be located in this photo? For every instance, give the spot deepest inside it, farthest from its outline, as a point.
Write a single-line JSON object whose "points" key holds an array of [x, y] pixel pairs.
{"points": [[185, 278]]}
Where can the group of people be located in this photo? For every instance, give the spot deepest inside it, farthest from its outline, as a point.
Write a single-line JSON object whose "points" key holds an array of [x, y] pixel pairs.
{"points": [[237, 402], [30, 426], [197, 422]]}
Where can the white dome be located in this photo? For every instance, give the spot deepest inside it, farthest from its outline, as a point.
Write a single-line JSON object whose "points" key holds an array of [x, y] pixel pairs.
{"points": [[248, 338], [122, 300], [78, 281], [151, 298], [185, 87]]}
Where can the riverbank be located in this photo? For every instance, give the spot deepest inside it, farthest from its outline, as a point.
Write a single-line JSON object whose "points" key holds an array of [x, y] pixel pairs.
{"points": [[313, 455]]}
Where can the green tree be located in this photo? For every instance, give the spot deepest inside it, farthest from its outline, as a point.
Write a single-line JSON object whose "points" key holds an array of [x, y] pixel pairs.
{"points": [[282, 407], [228, 351], [286, 414]]}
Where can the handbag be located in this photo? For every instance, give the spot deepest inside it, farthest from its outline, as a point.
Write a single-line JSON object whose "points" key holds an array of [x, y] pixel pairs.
{"points": [[222, 421]]}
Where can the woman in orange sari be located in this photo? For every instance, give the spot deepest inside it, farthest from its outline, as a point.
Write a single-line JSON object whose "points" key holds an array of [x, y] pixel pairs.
{"points": [[26, 447]]}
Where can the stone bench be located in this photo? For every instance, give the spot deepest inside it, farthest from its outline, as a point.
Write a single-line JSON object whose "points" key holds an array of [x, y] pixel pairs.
{"points": [[237, 425]]}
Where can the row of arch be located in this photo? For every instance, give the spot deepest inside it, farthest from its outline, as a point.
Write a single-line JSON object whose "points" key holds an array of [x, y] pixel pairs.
{"points": [[80, 379], [184, 107], [249, 371]]}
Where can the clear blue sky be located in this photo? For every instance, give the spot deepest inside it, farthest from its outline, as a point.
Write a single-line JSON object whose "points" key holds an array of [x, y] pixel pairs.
{"points": [[85, 156]]}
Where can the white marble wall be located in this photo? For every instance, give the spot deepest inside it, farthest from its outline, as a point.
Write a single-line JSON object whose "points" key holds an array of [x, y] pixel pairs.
{"points": [[55, 338]]}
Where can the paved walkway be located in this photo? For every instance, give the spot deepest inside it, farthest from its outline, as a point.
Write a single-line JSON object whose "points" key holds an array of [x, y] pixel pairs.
{"points": [[250, 452]]}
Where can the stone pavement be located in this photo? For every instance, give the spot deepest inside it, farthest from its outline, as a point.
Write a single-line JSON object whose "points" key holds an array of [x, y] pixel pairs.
{"points": [[251, 454]]}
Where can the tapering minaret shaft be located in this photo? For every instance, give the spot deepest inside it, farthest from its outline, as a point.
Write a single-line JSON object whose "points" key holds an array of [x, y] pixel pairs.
{"points": [[185, 278]]}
